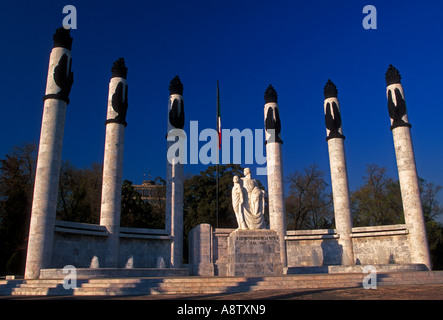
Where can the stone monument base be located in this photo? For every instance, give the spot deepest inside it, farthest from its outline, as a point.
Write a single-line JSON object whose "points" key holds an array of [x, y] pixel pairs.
{"points": [[254, 253]]}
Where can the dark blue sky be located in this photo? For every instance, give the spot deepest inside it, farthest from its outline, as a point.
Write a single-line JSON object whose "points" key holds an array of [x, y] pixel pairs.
{"points": [[294, 45]]}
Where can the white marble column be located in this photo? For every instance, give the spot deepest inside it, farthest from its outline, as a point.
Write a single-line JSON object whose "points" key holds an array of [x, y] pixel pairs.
{"points": [[44, 204], [113, 160], [339, 175], [174, 171], [407, 171], [274, 162]]}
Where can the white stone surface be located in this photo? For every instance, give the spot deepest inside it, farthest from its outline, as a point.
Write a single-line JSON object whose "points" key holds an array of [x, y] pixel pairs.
{"points": [[410, 192], [174, 199], [276, 199], [56, 54], [248, 201], [113, 83], [340, 192], [41, 232], [95, 264], [201, 250], [112, 179]]}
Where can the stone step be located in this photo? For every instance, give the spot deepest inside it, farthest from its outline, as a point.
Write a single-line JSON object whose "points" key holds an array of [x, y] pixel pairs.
{"points": [[227, 282], [208, 285]]}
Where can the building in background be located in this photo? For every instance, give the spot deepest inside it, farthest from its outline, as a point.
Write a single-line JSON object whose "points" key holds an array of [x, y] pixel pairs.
{"points": [[153, 193]]}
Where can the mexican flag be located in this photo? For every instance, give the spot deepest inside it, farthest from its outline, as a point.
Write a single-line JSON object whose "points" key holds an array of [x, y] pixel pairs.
{"points": [[218, 118]]}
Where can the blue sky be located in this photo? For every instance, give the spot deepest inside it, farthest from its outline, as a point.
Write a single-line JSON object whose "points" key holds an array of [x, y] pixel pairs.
{"points": [[294, 45]]}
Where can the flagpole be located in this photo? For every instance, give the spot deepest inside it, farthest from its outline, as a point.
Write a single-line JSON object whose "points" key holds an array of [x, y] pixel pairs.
{"points": [[217, 168]]}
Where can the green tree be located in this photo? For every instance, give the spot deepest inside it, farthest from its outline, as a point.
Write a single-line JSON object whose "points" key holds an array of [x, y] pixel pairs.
{"points": [[79, 193], [308, 205], [135, 212], [434, 230], [377, 201], [17, 173]]}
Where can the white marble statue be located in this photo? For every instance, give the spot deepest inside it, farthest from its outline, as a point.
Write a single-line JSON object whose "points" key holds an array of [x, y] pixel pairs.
{"points": [[248, 202], [237, 203]]}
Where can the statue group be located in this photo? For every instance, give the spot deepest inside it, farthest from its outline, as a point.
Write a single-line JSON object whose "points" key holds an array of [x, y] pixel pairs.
{"points": [[248, 201]]}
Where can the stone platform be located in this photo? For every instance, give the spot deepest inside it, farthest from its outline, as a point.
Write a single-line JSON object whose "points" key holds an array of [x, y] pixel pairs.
{"points": [[254, 253], [95, 273], [357, 268]]}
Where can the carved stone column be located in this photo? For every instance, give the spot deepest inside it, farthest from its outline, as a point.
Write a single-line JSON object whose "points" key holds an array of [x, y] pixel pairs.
{"points": [[56, 99], [113, 160], [274, 162], [339, 175], [407, 171], [174, 172]]}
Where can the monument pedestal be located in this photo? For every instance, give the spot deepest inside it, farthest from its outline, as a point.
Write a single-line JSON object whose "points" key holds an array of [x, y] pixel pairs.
{"points": [[254, 253]]}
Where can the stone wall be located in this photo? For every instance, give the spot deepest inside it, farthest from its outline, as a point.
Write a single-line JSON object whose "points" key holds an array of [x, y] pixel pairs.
{"points": [[306, 248], [200, 250], [78, 243], [371, 245], [220, 250], [312, 247], [145, 246], [381, 244]]}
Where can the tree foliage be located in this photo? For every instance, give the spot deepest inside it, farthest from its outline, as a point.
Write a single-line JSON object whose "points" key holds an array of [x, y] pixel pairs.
{"points": [[377, 201], [17, 173], [434, 230], [308, 205], [79, 200], [79, 193], [138, 213]]}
